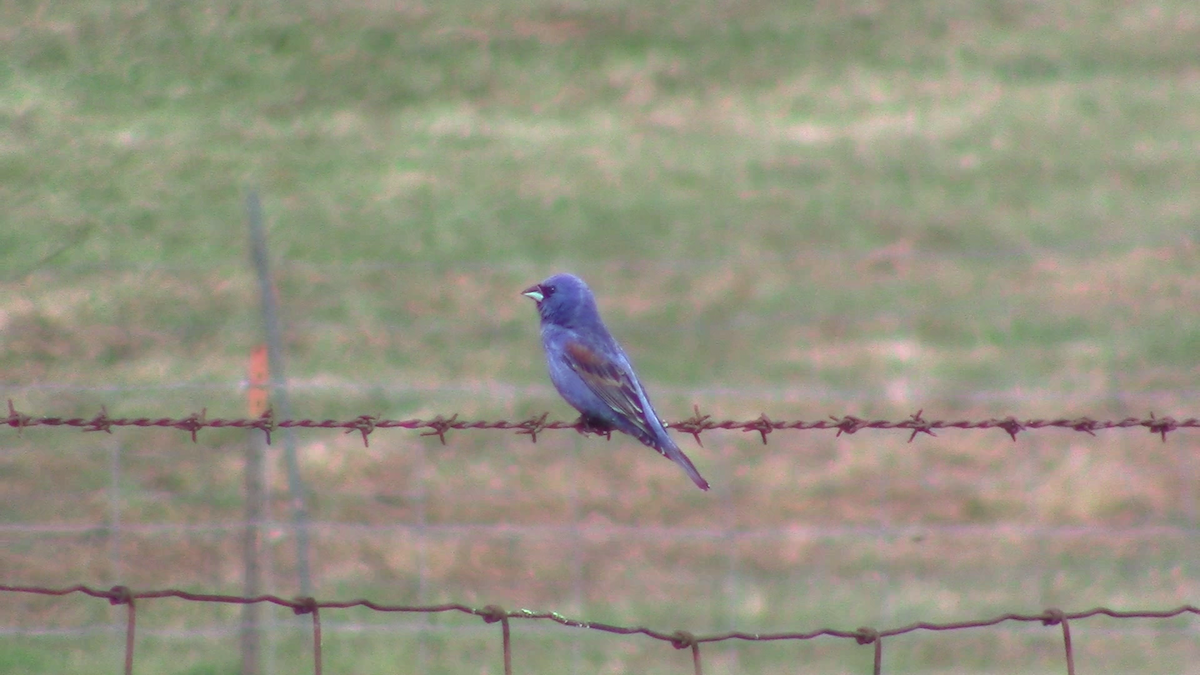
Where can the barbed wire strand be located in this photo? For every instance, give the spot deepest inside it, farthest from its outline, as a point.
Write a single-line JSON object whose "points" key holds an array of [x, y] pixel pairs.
{"points": [[695, 425], [122, 595]]}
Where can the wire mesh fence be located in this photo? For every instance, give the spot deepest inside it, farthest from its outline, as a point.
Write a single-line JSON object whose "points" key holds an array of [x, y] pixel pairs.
{"points": [[124, 531], [972, 276], [679, 639], [906, 525]]}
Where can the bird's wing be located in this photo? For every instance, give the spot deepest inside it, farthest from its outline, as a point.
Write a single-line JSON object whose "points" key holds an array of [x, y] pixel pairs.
{"points": [[607, 379], [614, 383]]}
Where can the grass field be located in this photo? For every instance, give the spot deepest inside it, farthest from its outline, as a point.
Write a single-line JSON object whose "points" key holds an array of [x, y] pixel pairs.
{"points": [[803, 209]]}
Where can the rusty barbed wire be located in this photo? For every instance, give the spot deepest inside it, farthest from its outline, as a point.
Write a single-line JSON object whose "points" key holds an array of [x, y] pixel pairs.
{"points": [[679, 639], [694, 426]]}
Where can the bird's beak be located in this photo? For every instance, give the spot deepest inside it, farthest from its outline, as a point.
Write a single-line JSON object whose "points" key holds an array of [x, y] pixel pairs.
{"points": [[534, 292]]}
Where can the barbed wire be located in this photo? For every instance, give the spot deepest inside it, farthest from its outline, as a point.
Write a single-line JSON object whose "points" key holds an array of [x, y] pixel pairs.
{"points": [[679, 639], [695, 425]]}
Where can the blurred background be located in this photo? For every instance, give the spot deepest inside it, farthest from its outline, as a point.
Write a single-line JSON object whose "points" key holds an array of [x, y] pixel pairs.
{"points": [[801, 209]]}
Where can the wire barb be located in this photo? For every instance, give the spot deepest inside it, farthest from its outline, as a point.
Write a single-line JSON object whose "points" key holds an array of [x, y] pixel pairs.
{"points": [[763, 425], [16, 419], [1160, 426], [696, 424], [266, 422], [533, 426], [439, 426], [848, 424], [1085, 424], [193, 423], [100, 422], [920, 426], [1012, 427], [363, 424]]}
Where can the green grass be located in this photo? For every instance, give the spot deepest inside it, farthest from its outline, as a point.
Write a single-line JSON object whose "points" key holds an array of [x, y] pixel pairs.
{"points": [[868, 208]]}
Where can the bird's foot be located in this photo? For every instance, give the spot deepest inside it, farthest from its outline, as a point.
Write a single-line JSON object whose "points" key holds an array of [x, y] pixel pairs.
{"points": [[592, 425]]}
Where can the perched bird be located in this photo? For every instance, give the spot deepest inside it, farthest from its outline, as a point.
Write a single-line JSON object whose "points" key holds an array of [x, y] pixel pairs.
{"points": [[591, 371]]}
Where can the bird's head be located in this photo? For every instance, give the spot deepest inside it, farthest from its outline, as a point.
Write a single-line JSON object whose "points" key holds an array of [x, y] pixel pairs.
{"points": [[564, 299]]}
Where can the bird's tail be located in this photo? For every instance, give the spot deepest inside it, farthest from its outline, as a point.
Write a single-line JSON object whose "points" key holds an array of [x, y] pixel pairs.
{"points": [[667, 448]]}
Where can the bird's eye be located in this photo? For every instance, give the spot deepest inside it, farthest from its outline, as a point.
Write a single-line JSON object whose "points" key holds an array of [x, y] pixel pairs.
{"points": [[547, 291]]}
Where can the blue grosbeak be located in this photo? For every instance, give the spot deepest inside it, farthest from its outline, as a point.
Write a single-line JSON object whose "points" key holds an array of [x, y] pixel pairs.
{"points": [[591, 371]]}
